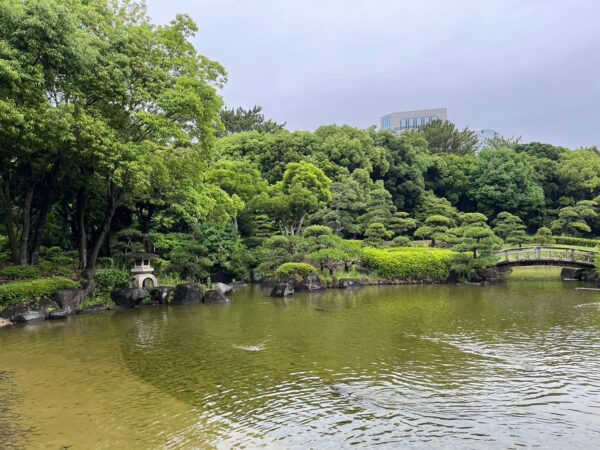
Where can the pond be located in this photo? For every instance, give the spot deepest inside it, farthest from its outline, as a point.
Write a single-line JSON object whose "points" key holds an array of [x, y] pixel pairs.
{"points": [[391, 366]]}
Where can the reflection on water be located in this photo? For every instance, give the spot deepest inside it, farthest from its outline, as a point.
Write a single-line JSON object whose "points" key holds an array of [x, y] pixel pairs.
{"points": [[399, 366]]}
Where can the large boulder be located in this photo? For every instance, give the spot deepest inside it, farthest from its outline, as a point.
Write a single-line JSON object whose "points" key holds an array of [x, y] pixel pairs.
{"points": [[12, 311], [282, 290], [58, 314], [186, 294], [309, 283], [215, 296], [161, 294], [128, 297], [223, 288], [29, 316], [70, 299], [490, 275]]}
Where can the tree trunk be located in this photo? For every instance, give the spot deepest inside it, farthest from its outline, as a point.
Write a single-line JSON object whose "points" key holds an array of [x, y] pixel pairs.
{"points": [[26, 226], [44, 211], [81, 202], [8, 221], [113, 200]]}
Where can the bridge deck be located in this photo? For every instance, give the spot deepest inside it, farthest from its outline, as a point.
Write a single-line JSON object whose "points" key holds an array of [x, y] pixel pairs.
{"points": [[546, 256]]}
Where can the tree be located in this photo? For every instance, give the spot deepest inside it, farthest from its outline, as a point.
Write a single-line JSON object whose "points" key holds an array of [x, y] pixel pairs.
{"points": [[579, 174], [503, 180], [476, 242], [449, 176], [444, 137], [402, 224], [303, 191], [436, 229], [331, 259], [376, 235], [408, 158], [239, 120], [543, 236], [380, 208], [510, 228], [573, 219]]}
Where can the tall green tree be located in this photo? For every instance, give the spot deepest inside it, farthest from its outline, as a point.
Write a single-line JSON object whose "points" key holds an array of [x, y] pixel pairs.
{"points": [[510, 228], [443, 137], [238, 120]]}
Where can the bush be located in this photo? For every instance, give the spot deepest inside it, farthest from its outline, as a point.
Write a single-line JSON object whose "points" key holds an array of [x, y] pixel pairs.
{"points": [[413, 264], [401, 241], [19, 292], [288, 270], [568, 240], [107, 280], [19, 272]]}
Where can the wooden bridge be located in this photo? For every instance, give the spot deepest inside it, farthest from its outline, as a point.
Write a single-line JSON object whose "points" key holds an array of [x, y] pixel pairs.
{"points": [[546, 256]]}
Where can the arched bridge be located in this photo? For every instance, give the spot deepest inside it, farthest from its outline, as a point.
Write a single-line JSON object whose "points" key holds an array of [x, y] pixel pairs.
{"points": [[545, 256]]}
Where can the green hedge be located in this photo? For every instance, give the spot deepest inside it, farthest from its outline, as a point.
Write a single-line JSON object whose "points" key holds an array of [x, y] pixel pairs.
{"points": [[19, 292], [19, 272], [288, 270], [568, 240], [412, 264]]}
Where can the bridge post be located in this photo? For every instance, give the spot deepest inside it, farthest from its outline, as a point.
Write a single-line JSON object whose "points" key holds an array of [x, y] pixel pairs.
{"points": [[506, 256], [538, 253], [572, 254]]}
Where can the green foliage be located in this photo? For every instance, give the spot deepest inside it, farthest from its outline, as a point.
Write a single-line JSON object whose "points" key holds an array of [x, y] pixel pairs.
{"points": [[573, 219], [503, 180], [19, 292], [376, 235], [107, 280], [402, 224], [239, 120], [543, 236], [567, 240], [412, 264], [444, 137], [317, 231], [401, 241], [510, 228], [436, 230], [597, 261], [19, 272], [332, 259], [288, 270], [475, 243]]}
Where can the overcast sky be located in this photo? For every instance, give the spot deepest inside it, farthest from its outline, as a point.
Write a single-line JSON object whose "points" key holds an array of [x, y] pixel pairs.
{"points": [[529, 68]]}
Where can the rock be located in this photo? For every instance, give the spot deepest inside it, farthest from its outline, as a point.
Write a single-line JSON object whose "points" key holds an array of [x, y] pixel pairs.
{"points": [[453, 277], [5, 322], [128, 297], [223, 288], [345, 283], [161, 294], [309, 283], [490, 276], [186, 294], [571, 273], [93, 309], [282, 290], [70, 299], [215, 296], [29, 316], [8, 313], [474, 277], [58, 314]]}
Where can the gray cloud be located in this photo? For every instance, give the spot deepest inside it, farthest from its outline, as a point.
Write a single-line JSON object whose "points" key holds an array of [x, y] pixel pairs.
{"points": [[521, 67]]}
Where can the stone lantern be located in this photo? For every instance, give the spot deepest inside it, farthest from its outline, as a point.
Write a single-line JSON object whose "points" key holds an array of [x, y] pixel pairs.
{"points": [[142, 271]]}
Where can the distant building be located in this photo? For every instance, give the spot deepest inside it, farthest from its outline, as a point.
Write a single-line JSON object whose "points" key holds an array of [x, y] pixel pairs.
{"points": [[398, 122], [484, 135]]}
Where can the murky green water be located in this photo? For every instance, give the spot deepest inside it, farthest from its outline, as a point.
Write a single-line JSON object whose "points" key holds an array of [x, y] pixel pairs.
{"points": [[394, 367]]}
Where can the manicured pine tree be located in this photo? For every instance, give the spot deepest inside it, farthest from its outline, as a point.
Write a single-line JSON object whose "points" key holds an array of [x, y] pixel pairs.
{"points": [[510, 228]]}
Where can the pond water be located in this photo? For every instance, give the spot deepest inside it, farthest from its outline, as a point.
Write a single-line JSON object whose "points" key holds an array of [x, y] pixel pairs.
{"points": [[394, 367]]}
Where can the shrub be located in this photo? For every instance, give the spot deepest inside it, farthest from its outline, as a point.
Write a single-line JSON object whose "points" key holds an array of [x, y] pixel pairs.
{"points": [[107, 280], [568, 240], [597, 261], [401, 241], [20, 272], [414, 264], [288, 270], [33, 290], [317, 230]]}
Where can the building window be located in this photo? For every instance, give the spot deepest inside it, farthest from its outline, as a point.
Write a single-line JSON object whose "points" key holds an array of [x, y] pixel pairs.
{"points": [[403, 123], [411, 123]]}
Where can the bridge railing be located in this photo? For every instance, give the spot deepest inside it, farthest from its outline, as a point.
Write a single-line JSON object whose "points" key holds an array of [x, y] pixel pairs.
{"points": [[511, 255]]}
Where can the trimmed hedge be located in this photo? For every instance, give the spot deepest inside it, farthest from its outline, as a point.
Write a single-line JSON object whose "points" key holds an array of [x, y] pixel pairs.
{"points": [[411, 264], [20, 272], [568, 240], [33, 290], [288, 270]]}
